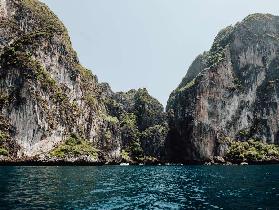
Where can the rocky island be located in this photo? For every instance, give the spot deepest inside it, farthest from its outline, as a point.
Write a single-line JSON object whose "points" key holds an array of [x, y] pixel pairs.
{"points": [[53, 110], [228, 99]]}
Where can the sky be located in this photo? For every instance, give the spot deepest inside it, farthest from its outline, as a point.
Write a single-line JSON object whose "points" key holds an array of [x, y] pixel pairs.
{"points": [[148, 43]]}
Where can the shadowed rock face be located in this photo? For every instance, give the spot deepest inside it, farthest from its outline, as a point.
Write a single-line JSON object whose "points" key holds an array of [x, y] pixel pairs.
{"points": [[50, 105], [230, 91], [143, 123]]}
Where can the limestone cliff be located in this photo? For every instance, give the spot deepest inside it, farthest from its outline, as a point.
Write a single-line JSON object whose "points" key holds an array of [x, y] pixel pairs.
{"points": [[46, 95], [51, 107], [143, 124], [231, 91]]}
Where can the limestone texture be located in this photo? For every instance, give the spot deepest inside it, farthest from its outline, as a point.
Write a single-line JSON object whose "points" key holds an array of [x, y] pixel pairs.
{"points": [[230, 92], [52, 108]]}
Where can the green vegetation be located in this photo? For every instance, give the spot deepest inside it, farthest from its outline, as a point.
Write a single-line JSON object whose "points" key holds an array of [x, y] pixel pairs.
{"points": [[188, 85], [152, 140], [243, 133], [125, 156], [216, 55], [110, 119], [148, 110], [108, 135], [46, 22], [129, 120], [217, 52], [45, 26], [252, 150], [46, 17], [4, 98], [59, 96], [130, 134], [141, 119], [30, 68], [3, 136], [44, 77], [86, 73], [153, 132], [136, 149], [129, 127], [75, 146], [91, 100], [3, 151], [32, 39]]}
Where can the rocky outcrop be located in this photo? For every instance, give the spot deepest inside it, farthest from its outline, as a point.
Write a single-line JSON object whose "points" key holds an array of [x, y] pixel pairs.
{"points": [[46, 95], [230, 92], [143, 124], [52, 107]]}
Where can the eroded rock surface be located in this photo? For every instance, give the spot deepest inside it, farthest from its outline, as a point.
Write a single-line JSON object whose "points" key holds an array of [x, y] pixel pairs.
{"points": [[229, 92], [52, 107]]}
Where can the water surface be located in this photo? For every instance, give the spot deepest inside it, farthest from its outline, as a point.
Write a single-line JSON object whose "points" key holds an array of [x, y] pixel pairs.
{"points": [[140, 187]]}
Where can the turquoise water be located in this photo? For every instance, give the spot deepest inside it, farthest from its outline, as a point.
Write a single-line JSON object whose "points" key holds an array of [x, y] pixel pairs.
{"points": [[140, 187]]}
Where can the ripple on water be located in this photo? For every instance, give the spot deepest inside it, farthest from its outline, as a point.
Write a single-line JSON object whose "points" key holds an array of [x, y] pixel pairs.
{"points": [[150, 187]]}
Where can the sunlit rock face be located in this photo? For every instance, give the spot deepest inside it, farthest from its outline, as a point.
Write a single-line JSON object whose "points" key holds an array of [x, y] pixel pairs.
{"points": [[53, 108], [46, 95], [229, 91]]}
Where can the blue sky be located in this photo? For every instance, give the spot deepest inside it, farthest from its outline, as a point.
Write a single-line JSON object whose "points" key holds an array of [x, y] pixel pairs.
{"points": [[148, 43]]}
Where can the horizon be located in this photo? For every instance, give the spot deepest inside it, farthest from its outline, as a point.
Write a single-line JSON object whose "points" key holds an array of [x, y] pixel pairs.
{"points": [[148, 44]]}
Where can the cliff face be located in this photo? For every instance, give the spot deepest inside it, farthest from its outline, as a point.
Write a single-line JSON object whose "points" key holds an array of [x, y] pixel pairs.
{"points": [[229, 92], [46, 95], [143, 124], [51, 107]]}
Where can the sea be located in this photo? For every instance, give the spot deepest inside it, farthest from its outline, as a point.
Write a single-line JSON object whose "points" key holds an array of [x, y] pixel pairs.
{"points": [[139, 187]]}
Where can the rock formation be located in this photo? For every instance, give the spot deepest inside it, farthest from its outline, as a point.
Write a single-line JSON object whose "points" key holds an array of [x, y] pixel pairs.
{"points": [[54, 109], [51, 106], [143, 123], [229, 92]]}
